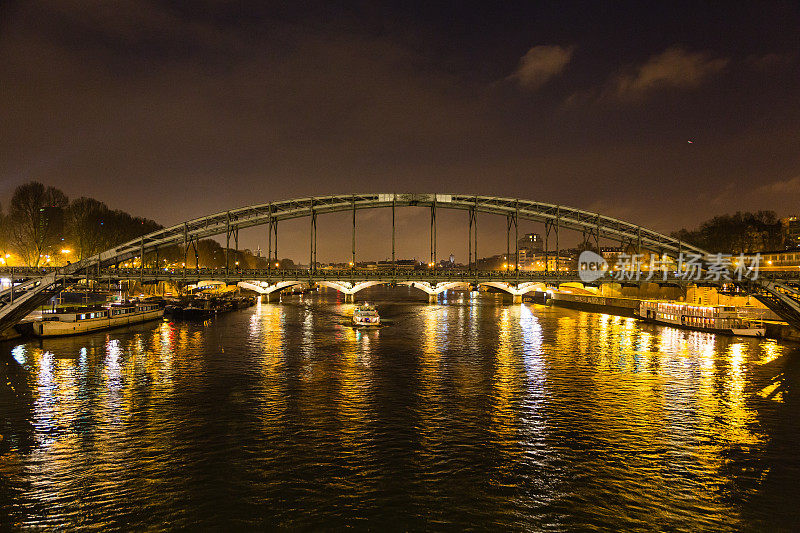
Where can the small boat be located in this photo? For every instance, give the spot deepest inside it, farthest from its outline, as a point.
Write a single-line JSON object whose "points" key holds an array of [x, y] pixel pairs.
{"points": [[366, 315], [62, 321], [192, 312], [724, 319]]}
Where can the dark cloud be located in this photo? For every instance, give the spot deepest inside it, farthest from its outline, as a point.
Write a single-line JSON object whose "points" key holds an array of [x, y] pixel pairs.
{"points": [[540, 64], [674, 68]]}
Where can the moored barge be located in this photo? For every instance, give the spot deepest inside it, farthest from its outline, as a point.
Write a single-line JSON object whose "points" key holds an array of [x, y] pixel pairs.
{"points": [[62, 321], [724, 319]]}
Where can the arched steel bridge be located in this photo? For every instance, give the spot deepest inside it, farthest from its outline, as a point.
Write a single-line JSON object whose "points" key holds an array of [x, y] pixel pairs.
{"points": [[554, 217], [783, 298]]}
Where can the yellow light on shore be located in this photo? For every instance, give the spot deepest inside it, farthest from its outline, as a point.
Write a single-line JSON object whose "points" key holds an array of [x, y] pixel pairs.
{"points": [[65, 251]]}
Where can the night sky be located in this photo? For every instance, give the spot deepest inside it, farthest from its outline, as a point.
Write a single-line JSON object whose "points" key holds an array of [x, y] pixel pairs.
{"points": [[173, 110]]}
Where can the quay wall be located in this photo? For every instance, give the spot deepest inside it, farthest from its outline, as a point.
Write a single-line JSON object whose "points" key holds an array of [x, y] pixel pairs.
{"points": [[625, 307]]}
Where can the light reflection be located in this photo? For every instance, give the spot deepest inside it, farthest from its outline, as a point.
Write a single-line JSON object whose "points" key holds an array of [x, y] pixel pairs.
{"points": [[770, 351], [18, 353], [506, 379], [547, 376], [352, 380]]}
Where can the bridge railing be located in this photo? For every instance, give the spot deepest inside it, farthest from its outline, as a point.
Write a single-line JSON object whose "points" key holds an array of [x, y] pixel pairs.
{"points": [[331, 273], [20, 272], [361, 274]]}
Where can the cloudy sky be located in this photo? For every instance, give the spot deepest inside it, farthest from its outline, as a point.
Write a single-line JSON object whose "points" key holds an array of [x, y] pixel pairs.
{"points": [[659, 113]]}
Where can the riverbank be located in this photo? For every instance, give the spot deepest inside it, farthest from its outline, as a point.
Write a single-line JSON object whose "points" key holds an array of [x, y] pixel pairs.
{"points": [[626, 307]]}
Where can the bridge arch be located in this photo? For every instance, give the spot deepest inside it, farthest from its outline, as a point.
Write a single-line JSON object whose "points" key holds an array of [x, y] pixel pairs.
{"points": [[263, 288], [226, 223], [348, 288], [515, 290]]}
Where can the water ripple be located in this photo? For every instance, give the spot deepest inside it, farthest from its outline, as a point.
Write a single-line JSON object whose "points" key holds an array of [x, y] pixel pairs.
{"points": [[472, 414]]}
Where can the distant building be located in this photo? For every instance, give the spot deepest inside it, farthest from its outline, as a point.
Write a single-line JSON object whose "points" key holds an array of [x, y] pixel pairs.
{"points": [[791, 229], [532, 242], [550, 261], [400, 264], [786, 261], [51, 221], [611, 253]]}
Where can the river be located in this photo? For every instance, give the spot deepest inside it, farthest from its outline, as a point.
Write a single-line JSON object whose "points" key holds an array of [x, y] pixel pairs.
{"points": [[467, 414]]}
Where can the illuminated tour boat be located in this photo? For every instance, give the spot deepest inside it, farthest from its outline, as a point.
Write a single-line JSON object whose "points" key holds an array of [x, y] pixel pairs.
{"points": [[63, 321], [715, 319], [366, 315]]}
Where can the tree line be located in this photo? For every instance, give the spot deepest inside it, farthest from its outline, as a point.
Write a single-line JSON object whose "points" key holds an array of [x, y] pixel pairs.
{"points": [[738, 233], [43, 226]]}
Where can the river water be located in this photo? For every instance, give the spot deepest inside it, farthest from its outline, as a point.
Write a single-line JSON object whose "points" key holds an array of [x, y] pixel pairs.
{"points": [[467, 414]]}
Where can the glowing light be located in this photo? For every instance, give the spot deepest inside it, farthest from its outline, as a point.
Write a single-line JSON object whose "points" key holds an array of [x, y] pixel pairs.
{"points": [[65, 251], [18, 353]]}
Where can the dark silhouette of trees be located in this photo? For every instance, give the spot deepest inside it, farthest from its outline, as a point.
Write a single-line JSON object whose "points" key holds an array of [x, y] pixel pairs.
{"points": [[85, 226], [119, 227], [42, 222], [36, 220], [5, 234], [92, 227], [738, 233]]}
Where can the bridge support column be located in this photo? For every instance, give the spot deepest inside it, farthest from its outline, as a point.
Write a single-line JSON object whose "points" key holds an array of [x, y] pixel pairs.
{"points": [[271, 297], [433, 298], [516, 298], [349, 298]]}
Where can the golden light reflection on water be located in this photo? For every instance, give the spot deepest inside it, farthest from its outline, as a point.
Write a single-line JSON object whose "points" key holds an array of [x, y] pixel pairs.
{"points": [[431, 374], [267, 331], [636, 405], [353, 379], [506, 380]]}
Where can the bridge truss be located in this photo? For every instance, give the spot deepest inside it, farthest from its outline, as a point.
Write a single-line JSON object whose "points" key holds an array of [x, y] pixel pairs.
{"points": [[556, 218]]}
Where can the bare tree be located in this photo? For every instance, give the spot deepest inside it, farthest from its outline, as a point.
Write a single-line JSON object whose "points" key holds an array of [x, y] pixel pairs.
{"points": [[85, 226], [37, 220], [5, 240]]}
